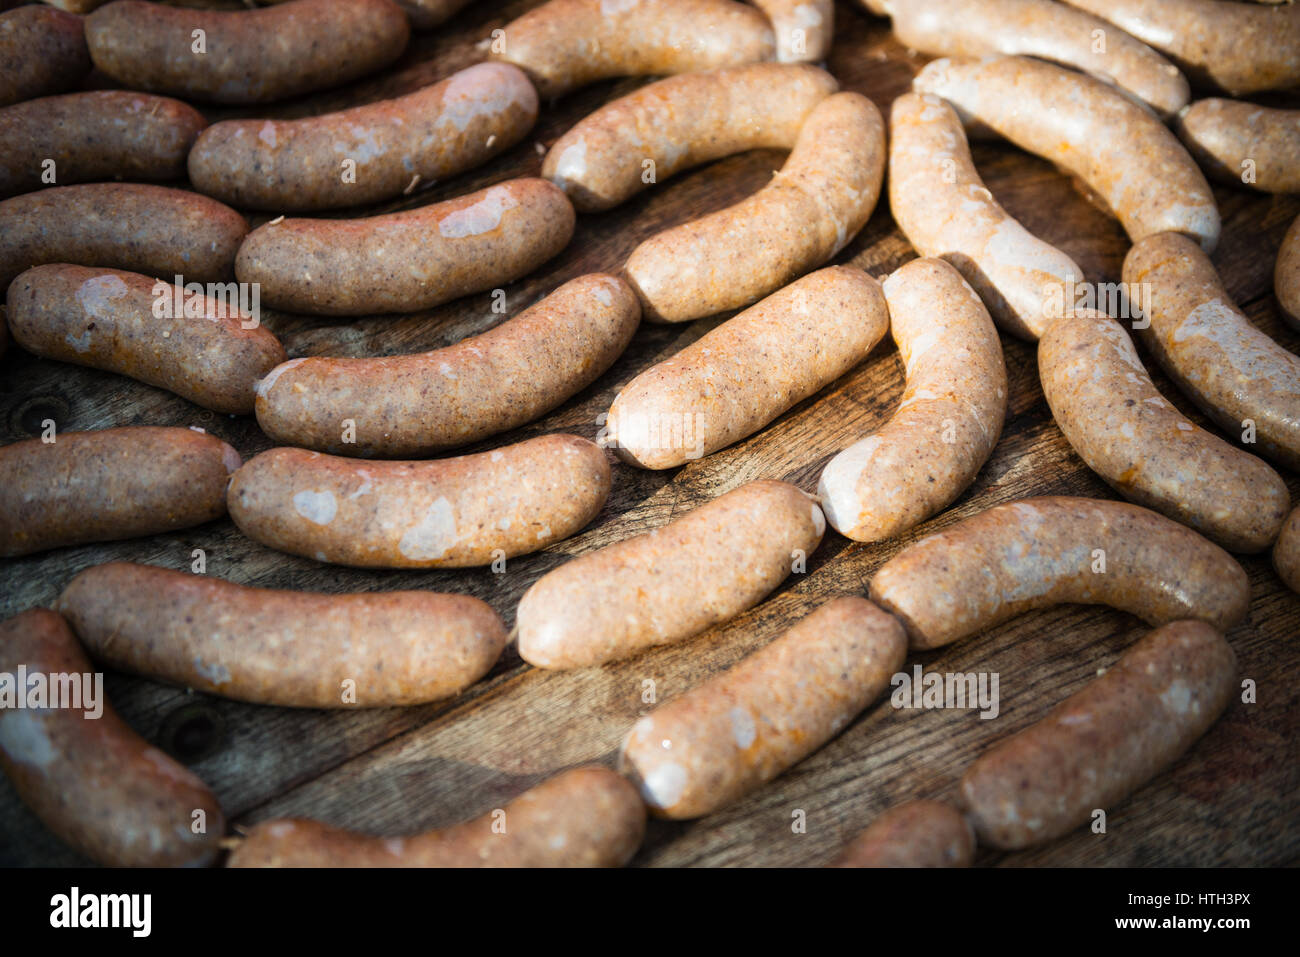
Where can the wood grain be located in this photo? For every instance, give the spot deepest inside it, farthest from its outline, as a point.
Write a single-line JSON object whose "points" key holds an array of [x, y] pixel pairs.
{"points": [[1231, 800]]}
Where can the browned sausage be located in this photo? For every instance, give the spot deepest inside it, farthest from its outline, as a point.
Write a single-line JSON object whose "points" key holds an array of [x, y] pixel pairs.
{"points": [[1102, 743], [110, 484], [94, 782], [914, 834], [586, 817], [42, 51]]}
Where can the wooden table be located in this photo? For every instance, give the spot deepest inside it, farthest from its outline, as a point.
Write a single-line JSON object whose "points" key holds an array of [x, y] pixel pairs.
{"points": [[1231, 800]]}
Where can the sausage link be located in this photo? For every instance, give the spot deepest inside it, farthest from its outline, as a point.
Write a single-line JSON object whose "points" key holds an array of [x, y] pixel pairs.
{"points": [[1126, 432], [1219, 360], [945, 210], [431, 134], [734, 380], [1054, 550], [948, 421], [427, 14], [42, 52], [720, 740], [1286, 553], [404, 262], [810, 210], [913, 834], [1230, 139], [288, 648], [804, 28], [148, 229], [586, 817], [1101, 744], [1286, 275], [565, 44], [111, 484], [681, 122], [248, 56], [451, 513], [669, 584], [485, 384], [108, 319], [99, 786], [1131, 160]]}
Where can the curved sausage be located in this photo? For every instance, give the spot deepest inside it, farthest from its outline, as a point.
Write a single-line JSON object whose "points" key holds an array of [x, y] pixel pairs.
{"points": [[1054, 550], [1286, 275], [705, 749], [1120, 149], [804, 28], [104, 134], [287, 648], [585, 817], [565, 44], [1231, 139], [368, 153], [209, 350], [734, 380], [404, 262], [1044, 29], [945, 211], [683, 121], [671, 583], [246, 56], [808, 212], [416, 405], [149, 229], [1101, 744], [1286, 553], [99, 786], [450, 513], [42, 52], [1126, 432], [913, 834], [1240, 47], [111, 484], [948, 421], [1236, 374]]}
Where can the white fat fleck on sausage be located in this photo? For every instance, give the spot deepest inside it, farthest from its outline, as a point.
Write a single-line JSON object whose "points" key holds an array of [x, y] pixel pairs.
{"points": [[281, 829], [558, 841], [267, 134], [663, 787], [265, 385], [603, 296], [218, 674], [1177, 698], [23, 737], [317, 507], [743, 731], [96, 293], [612, 8], [478, 218], [807, 15], [433, 536], [80, 344], [395, 846]]}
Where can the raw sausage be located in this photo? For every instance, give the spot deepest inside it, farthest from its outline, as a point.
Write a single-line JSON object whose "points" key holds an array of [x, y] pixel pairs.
{"points": [[42, 51], [1286, 275], [804, 28], [1244, 144], [913, 834], [1286, 553]]}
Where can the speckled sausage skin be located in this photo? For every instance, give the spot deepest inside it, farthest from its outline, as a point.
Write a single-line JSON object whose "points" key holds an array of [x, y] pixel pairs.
{"points": [[1286, 553], [252, 56], [105, 319], [1224, 134], [585, 817], [804, 28], [945, 210], [948, 421], [1230, 369], [415, 405], [1043, 29], [1120, 149], [1240, 47], [808, 212], [1126, 432], [149, 229], [288, 648], [1286, 275], [669, 584], [96, 784], [705, 749], [913, 834], [681, 122], [1040, 552], [111, 484], [1101, 744], [565, 44], [734, 380], [450, 513], [404, 262], [431, 134], [103, 134], [42, 51]]}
